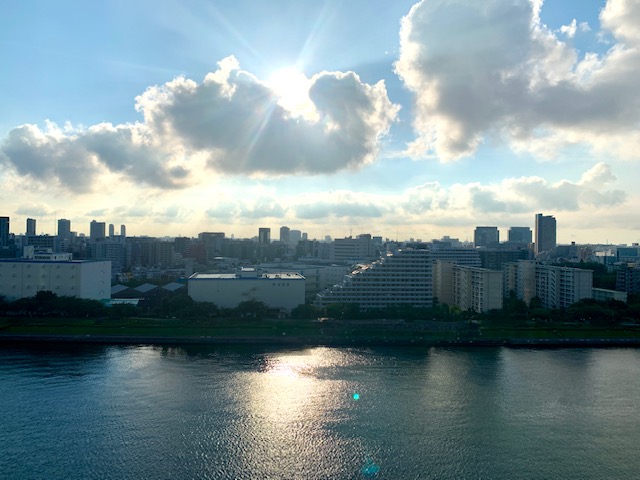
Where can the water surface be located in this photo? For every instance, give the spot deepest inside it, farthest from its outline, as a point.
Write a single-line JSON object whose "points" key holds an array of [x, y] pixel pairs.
{"points": [[144, 412]]}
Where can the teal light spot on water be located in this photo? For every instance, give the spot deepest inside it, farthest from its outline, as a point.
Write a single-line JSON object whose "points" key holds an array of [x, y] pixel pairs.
{"points": [[370, 469], [356, 396]]}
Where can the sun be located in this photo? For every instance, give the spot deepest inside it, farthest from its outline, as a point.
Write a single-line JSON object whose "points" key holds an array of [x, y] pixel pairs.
{"points": [[291, 87]]}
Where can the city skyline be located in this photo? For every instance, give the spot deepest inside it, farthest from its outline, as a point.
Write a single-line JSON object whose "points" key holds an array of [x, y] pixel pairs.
{"points": [[176, 119]]}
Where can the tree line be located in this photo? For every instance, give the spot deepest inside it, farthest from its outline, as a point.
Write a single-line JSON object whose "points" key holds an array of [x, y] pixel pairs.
{"points": [[514, 311]]}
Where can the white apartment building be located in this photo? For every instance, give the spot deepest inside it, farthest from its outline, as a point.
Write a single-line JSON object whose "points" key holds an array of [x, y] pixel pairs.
{"points": [[521, 278], [459, 256], [403, 277], [276, 290], [476, 289], [557, 287], [352, 250], [560, 287], [83, 279]]}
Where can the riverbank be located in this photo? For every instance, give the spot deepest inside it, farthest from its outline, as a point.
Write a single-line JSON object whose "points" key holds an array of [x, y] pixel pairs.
{"points": [[327, 341], [306, 332]]}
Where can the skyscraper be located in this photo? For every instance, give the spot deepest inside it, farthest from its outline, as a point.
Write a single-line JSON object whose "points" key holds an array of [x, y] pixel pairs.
{"points": [[486, 237], [123, 231], [96, 230], [112, 230], [545, 233], [264, 235], [284, 235], [4, 231], [31, 226], [64, 228]]}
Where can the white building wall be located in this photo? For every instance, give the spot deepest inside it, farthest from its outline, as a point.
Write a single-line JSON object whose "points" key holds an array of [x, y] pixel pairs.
{"points": [[560, 287], [477, 289], [285, 290], [21, 279]]}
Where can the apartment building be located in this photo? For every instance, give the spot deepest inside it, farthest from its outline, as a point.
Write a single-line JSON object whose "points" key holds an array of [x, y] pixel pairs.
{"points": [[402, 277]]}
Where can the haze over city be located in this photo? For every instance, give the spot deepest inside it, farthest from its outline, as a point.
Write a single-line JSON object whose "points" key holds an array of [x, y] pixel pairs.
{"points": [[410, 119]]}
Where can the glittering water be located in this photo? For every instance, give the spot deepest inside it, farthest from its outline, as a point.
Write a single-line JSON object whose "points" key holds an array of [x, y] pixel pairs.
{"points": [[83, 412]]}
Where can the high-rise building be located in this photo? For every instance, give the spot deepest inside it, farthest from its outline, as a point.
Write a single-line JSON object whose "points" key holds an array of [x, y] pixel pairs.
{"points": [[4, 231], [295, 236], [31, 226], [545, 233], [486, 237], [123, 231], [64, 228], [112, 230], [96, 230], [520, 235], [264, 235], [285, 236]]}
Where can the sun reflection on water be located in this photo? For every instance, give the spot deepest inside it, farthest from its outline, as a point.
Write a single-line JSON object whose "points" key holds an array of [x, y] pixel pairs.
{"points": [[299, 399]]}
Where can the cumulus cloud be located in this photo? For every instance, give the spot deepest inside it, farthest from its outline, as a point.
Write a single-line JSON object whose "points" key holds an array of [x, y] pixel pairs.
{"points": [[570, 30], [230, 123], [515, 196], [492, 70]]}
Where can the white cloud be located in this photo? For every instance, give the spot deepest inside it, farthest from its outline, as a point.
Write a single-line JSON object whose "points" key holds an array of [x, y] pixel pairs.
{"points": [[569, 30], [231, 123], [492, 70]]}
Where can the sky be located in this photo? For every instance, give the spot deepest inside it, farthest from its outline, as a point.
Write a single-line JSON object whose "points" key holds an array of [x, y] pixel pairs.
{"points": [[402, 119]]}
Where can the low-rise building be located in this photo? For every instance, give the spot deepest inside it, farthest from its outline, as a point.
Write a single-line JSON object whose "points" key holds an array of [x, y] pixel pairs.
{"points": [[21, 278], [276, 290], [603, 295]]}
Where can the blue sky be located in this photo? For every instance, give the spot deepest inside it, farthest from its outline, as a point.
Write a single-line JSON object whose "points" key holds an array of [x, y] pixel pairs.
{"points": [[403, 118]]}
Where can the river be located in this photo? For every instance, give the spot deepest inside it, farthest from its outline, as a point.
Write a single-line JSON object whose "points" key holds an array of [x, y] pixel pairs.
{"points": [[261, 412]]}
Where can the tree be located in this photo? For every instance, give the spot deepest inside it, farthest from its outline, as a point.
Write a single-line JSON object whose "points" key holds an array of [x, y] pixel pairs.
{"points": [[252, 308], [306, 310]]}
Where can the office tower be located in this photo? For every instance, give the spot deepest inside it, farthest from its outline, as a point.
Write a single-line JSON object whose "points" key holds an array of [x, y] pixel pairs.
{"points": [[112, 230], [295, 236], [284, 235], [31, 226], [264, 236], [64, 228], [123, 231], [520, 235], [545, 233], [4, 231], [486, 237], [96, 230]]}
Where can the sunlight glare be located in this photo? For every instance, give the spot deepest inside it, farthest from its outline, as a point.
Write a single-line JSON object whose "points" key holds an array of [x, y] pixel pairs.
{"points": [[291, 87]]}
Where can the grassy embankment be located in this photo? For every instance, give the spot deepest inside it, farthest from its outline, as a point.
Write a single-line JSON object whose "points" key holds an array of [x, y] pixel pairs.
{"points": [[303, 331]]}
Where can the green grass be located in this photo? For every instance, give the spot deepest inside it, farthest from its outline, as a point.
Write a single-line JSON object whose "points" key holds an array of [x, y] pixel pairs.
{"points": [[303, 329]]}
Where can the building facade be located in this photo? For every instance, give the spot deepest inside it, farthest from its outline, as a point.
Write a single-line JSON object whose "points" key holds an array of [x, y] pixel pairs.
{"points": [[520, 235], [277, 290], [400, 278], [476, 289], [82, 279], [545, 233], [560, 287], [486, 237]]}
